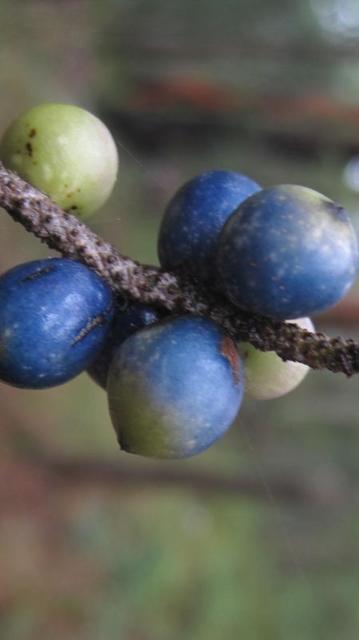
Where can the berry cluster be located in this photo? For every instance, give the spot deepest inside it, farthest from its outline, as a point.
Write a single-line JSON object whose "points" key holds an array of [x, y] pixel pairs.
{"points": [[174, 384]]}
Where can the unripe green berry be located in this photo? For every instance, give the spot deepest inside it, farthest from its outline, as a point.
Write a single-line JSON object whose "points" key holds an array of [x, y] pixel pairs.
{"points": [[267, 375], [64, 151]]}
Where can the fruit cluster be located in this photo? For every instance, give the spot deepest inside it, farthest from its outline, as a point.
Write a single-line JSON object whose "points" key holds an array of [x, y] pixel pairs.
{"points": [[174, 384]]}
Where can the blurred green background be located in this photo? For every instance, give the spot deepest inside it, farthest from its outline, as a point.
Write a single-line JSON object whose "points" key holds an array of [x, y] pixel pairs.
{"points": [[258, 537]]}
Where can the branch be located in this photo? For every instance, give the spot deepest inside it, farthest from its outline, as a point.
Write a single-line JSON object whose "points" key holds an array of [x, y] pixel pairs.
{"points": [[174, 293]]}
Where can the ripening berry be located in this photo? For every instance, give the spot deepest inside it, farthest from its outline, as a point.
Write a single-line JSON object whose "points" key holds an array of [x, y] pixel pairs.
{"points": [[174, 388], [124, 324], [267, 375], [195, 216], [66, 152], [54, 317], [287, 252]]}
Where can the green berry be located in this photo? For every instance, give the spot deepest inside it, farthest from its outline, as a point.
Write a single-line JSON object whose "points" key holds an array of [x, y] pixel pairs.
{"points": [[64, 151], [267, 375]]}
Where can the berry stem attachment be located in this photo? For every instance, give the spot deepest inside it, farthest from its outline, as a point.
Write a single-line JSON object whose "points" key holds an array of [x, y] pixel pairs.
{"points": [[174, 293]]}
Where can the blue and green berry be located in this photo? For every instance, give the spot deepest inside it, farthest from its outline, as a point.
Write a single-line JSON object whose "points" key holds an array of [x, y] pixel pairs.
{"points": [[195, 216], [54, 318], [287, 252], [125, 323], [174, 388]]}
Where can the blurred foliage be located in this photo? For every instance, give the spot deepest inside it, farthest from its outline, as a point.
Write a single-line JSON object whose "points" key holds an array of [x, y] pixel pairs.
{"points": [[156, 563]]}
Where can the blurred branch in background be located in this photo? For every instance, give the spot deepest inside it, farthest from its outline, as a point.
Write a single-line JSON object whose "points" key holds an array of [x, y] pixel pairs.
{"points": [[162, 109], [345, 314], [312, 52], [31, 467], [329, 488]]}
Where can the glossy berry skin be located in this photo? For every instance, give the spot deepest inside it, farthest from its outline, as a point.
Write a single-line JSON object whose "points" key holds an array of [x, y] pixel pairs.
{"points": [[54, 316], [195, 216], [174, 388], [287, 252], [66, 152], [124, 324], [267, 375]]}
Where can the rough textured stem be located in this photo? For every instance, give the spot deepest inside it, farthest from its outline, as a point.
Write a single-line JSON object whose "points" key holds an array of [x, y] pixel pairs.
{"points": [[175, 293]]}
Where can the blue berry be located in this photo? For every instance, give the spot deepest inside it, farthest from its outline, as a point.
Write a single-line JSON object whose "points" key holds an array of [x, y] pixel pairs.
{"points": [[54, 316], [195, 216], [287, 252], [124, 324], [174, 388]]}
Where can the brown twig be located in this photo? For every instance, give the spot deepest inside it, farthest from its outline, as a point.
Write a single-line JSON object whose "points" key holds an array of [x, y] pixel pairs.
{"points": [[175, 293]]}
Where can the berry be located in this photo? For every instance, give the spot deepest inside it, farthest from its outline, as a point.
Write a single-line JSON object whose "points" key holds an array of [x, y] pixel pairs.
{"points": [[195, 216], [174, 388], [287, 252], [66, 152], [267, 375], [54, 315], [124, 324]]}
